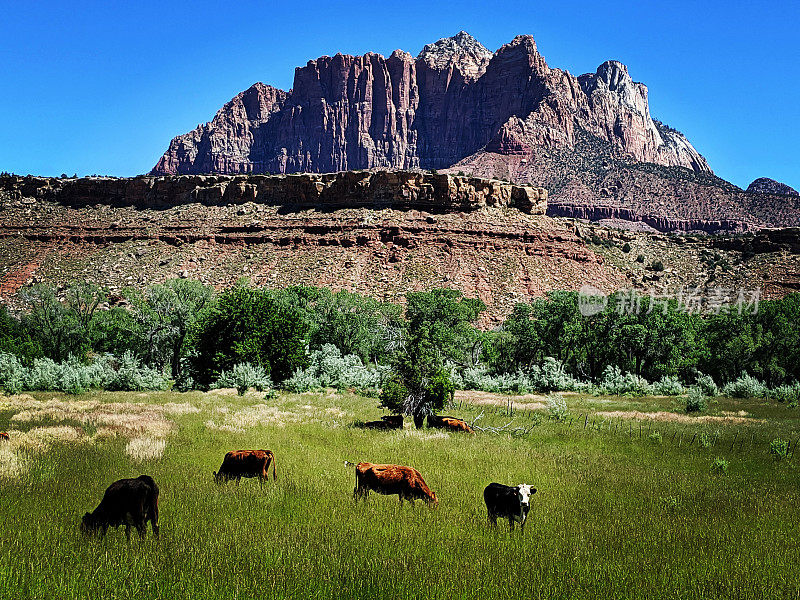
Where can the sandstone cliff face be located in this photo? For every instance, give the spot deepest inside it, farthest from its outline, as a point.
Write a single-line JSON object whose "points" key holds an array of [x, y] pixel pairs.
{"points": [[347, 112]]}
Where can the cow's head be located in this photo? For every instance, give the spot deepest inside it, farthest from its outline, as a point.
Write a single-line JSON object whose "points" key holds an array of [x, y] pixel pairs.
{"points": [[218, 477], [524, 493], [88, 525], [433, 500]]}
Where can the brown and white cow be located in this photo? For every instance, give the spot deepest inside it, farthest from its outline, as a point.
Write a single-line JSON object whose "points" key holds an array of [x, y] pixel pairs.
{"points": [[246, 463], [4, 436], [406, 482], [449, 423]]}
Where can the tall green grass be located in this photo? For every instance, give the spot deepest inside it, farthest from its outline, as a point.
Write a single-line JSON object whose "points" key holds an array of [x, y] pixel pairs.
{"points": [[614, 516]]}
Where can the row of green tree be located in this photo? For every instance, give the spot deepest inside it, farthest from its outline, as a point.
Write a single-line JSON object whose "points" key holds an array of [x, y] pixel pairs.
{"points": [[196, 335]]}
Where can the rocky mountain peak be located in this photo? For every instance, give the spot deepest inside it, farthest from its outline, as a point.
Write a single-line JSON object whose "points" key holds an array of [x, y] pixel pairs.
{"points": [[454, 100], [765, 185], [461, 50]]}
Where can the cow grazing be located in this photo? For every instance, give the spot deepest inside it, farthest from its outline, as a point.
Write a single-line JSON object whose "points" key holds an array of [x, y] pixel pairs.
{"points": [[449, 423], [406, 482], [126, 502], [511, 502], [247, 463], [4, 436], [386, 422]]}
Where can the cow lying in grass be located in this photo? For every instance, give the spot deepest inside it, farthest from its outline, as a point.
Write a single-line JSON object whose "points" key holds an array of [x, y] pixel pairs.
{"points": [[507, 502], [406, 482], [3, 436], [449, 423], [246, 463], [125, 502], [386, 422]]}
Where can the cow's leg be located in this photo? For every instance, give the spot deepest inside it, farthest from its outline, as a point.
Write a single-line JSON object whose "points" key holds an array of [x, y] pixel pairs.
{"points": [[493, 519], [360, 492], [141, 528], [127, 530], [103, 531], [154, 519], [511, 523]]}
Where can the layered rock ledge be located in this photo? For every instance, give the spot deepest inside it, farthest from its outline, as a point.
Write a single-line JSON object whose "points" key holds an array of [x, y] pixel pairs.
{"points": [[402, 190]]}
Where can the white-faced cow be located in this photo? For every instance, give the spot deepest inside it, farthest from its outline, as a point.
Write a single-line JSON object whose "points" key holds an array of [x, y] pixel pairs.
{"points": [[126, 502], [507, 502], [246, 463]]}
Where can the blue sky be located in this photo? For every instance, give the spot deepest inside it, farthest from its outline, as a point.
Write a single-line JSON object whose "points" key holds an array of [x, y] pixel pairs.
{"points": [[101, 87]]}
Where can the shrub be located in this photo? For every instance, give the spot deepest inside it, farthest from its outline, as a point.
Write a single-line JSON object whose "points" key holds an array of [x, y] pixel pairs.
{"points": [[705, 440], [616, 383], [394, 395], [303, 380], [706, 385], [695, 400], [243, 376], [785, 393], [668, 386], [440, 389], [657, 265], [745, 386], [720, 465], [74, 379], [626, 247], [131, 376], [551, 376], [655, 437], [779, 448], [12, 374], [328, 368], [556, 408], [640, 258], [45, 374]]}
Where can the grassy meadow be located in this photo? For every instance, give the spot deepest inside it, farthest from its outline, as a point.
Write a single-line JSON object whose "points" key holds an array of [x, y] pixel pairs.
{"points": [[628, 505]]}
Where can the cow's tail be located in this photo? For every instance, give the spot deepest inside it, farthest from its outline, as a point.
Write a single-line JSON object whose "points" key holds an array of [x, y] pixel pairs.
{"points": [[274, 469]]}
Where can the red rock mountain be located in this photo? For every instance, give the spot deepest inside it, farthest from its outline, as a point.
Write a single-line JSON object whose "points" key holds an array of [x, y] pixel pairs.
{"points": [[589, 140], [454, 99]]}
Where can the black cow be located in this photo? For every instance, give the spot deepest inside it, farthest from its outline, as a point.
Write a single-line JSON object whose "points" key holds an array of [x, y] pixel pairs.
{"points": [[508, 502], [386, 422], [126, 502]]}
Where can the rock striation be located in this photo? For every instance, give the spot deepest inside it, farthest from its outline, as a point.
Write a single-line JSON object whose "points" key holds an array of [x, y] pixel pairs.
{"points": [[429, 112]]}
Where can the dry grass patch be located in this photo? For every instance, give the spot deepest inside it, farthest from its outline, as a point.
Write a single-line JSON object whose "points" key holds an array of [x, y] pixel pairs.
{"points": [[671, 417], [522, 402], [261, 415]]}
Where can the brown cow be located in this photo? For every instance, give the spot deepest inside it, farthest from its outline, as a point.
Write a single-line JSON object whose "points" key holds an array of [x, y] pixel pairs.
{"points": [[386, 422], [4, 436], [246, 463], [449, 423], [406, 482]]}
